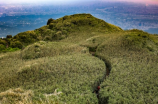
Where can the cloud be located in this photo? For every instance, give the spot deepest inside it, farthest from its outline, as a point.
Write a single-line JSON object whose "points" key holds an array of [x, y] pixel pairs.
{"points": [[137, 1], [40, 1], [74, 1]]}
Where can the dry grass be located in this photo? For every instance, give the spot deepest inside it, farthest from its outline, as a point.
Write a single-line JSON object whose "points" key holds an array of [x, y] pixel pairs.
{"points": [[16, 96]]}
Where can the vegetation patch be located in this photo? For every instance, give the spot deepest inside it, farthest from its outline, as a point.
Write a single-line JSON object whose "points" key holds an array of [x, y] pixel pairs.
{"points": [[133, 71], [16, 96], [74, 75], [55, 65], [50, 49]]}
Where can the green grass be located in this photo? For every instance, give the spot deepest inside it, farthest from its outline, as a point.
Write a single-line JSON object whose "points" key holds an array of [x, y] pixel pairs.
{"points": [[65, 66], [50, 49], [73, 75], [54, 65], [134, 69]]}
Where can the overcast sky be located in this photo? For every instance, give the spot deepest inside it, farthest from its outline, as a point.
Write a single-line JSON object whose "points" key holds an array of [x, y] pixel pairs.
{"points": [[73, 1]]}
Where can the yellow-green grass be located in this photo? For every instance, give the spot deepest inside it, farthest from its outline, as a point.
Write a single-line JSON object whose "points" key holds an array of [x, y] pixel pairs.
{"points": [[133, 58], [67, 68], [50, 49], [18, 96], [38, 67], [38, 50], [134, 69], [76, 76]]}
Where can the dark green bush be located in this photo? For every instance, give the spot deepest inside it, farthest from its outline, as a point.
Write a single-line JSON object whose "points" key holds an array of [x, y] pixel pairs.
{"points": [[51, 25], [27, 37], [50, 21], [3, 42], [47, 38], [16, 44], [41, 30], [65, 17], [2, 47], [57, 35], [9, 36]]}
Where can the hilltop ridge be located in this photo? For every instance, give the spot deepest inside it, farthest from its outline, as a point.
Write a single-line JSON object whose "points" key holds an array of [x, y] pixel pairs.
{"points": [[59, 29]]}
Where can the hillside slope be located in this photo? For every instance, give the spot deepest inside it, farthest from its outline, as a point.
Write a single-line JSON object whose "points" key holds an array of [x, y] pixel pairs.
{"points": [[46, 69], [59, 29], [54, 65]]}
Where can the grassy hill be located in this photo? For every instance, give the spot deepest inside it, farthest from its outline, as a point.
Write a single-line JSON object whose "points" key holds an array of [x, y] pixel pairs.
{"points": [[53, 64]]}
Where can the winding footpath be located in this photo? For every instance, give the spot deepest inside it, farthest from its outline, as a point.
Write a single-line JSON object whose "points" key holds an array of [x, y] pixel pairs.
{"points": [[108, 69]]}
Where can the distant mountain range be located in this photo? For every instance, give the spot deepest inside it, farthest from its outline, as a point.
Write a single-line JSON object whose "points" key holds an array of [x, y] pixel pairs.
{"points": [[19, 18]]}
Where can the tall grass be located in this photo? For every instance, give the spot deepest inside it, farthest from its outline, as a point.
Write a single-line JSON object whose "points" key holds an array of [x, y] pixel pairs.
{"points": [[134, 70], [63, 71], [69, 69]]}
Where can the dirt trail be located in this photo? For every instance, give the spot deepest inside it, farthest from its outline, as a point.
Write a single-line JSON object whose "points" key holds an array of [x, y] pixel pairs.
{"points": [[106, 62], [108, 69]]}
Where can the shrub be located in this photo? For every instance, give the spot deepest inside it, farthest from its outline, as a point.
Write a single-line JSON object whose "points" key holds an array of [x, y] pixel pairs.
{"points": [[57, 35], [41, 30], [3, 42], [51, 25], [65, 17], [9, 36], [47, 38], [50, 21], [2, 47], [26, 37], [16, 44]]}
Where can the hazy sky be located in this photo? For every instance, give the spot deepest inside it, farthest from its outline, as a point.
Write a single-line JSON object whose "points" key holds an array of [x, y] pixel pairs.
{"points": [[73, 1]]}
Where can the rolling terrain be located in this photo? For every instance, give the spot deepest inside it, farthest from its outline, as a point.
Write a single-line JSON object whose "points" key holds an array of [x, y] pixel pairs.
{"points": [[54, 65]]}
